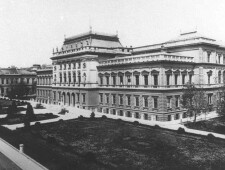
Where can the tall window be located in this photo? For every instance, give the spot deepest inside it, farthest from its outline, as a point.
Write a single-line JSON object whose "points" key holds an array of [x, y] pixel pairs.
{"points": [[183, 79], [169, 102], [137, 101], [176, 78], [167, 79], [219, 58], [2, 81], [209, 78], [84, 98], [107, 98], [74, 77], [190, 78], [177, 102], [114, 99], [114, 80], [69, 76], [107, 80], [101, 98], [64, 77], [121, 80], [78, 97], [137, 79], [155, 80], [64, 66], [121, 99], [101, 80], [128, 80], [219, 77], [146, 80], [60, 77], [145, 101], [209, 98], [128, 100], [208, 57], [155, 102]]}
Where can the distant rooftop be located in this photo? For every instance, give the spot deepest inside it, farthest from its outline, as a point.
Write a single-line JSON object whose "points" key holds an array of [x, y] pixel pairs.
{"points": [[189, 36], [15, 71]]}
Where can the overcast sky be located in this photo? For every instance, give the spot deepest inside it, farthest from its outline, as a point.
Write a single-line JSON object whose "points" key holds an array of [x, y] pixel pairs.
{"points": [[29, 29]]}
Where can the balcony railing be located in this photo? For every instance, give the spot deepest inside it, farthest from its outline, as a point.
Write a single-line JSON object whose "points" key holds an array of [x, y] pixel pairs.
{"points": [[147, 58]]}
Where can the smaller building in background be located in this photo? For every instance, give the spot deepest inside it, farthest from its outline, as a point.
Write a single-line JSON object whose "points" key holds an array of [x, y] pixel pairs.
{"points": [[44, 84], [17, 83]]}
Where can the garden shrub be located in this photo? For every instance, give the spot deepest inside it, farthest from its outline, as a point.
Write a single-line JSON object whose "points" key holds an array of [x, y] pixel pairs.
{"points": [[51, 140], [39, 106], [210, 136], [60, 120], [136, 122], [81, 117], [89, 157], [63, 111], [92, 116], [157, 127], [37, 124], [180, 130], [104, 117]]}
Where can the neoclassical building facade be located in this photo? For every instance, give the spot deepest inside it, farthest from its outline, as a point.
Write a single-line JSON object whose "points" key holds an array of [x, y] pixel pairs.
{"points": [[94, 71], [44, 84]]}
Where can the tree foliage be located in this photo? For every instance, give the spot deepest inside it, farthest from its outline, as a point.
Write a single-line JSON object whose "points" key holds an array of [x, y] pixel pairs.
{"points": [[194, 100], [221, 101]]}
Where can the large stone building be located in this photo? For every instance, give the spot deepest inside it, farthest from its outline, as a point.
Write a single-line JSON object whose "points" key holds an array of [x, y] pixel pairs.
{"points": [[44, 84], [16, 82], [94, 71]]}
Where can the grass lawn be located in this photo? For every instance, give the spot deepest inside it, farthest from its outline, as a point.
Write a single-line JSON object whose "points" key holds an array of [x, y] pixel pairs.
{"points": [[113, 144], [216, 125]]}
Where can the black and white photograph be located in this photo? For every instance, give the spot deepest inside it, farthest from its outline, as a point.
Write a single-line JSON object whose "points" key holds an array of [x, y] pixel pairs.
{"points": [[112, 85]]}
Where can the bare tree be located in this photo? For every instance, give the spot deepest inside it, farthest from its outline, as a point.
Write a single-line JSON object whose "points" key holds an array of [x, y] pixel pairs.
{"points": [[194, 100]]}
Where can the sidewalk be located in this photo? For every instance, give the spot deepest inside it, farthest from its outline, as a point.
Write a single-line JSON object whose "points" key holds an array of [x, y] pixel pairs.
{"points": [[76, 112]]}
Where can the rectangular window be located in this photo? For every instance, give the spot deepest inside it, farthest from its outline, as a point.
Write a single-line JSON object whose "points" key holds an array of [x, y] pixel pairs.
{"points": [[128, 100], [183, 79], [169, 102], [107, 80], [177, 102], [176, 78], [84, 99], [2, 81], [190, 78], [121, 99], [208, 79], [114, 111], [128, 80], [208, 57], [155, 102], [145, 101], [78, 97], [107, 110], [167, 79], [137, 79], [101, 80], [146, 80], [121, 80], [155, 80], [146, 116], [137, 101], [107, 98], [114, 80], [101, 98], [114, 99], [209, 98]]}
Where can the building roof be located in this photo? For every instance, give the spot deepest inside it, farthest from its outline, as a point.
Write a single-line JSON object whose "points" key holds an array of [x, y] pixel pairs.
{"points": [[189, 36], [93, 39], [15, 71]]}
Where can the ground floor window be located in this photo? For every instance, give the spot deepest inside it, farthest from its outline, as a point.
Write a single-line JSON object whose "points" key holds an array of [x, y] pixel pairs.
{"points": [[107, 110], [146, 116], [129, 114], [177, 116], [137, 115], [184, 115], [113, 111], [169, 117], [121, 113]]}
